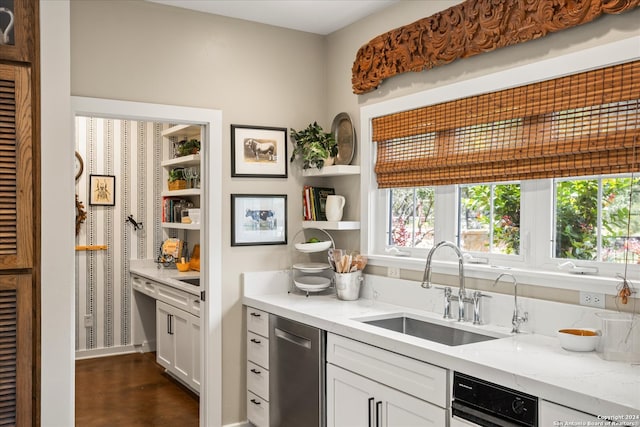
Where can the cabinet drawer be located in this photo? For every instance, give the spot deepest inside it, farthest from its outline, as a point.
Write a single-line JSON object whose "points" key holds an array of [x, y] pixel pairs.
{"points": [[174, 297], [425, 381], [258, 380], [257, 410], [194, 306], [258, 321], [144, 286], [258, 349]]}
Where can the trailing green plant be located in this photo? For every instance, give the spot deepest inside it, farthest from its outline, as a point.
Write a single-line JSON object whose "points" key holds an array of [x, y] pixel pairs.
{"points": [[313, 145]]}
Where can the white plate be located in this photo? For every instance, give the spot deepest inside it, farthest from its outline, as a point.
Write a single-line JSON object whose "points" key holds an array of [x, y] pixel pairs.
{"points": [[313, 247], [311, 267], [312, 283]]}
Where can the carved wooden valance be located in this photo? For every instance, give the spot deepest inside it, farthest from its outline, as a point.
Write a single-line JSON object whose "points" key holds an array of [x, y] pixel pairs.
{"points": [[470, 28]]}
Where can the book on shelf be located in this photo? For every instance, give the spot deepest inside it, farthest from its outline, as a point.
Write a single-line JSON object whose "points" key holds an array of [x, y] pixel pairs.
{"points": [[314, 202]]}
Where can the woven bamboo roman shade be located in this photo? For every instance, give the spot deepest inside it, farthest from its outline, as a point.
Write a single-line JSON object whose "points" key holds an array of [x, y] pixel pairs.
{"points": [[583, 124]]}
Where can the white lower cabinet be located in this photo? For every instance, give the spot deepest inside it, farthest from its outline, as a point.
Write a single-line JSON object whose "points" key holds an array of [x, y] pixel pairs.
{"points": [[353, 400], [178, 343], [364, 383], [551, 414], [257, 367]]}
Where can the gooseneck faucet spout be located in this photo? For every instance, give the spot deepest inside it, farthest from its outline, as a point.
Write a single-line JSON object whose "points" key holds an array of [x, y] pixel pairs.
{"points": [[426, 279], [516, 319]]}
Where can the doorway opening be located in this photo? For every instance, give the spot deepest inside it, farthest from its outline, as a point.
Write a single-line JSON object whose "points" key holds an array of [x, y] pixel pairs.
{"points": [[134, 173]]}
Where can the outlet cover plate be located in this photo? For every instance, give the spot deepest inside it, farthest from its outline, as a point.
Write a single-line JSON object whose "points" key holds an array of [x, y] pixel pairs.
{"points": [[592, 299], [393, 272]]}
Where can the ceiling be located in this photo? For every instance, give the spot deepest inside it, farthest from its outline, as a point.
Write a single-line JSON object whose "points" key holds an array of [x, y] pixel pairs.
{"points": [[313, 16]]}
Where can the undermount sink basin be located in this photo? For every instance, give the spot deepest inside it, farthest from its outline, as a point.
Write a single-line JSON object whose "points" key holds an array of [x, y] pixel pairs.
{"points": [[442, 334], [195, 281]]}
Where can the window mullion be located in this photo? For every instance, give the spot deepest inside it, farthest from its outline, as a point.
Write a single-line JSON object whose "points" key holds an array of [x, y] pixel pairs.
{"points": [[599, 222]]}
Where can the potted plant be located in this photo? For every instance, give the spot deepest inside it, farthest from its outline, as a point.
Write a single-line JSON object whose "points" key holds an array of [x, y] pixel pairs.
{"points": [[176, 179], [186, 147], [314, 146]]}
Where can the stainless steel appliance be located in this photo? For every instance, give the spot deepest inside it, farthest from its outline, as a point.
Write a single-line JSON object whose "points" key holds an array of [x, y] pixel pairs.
{"points": [[296, 374], [491, 405]]}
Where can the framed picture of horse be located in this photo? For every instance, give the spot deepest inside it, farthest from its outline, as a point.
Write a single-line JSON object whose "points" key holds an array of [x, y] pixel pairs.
{"points": [[258, 219], [258, 151]]}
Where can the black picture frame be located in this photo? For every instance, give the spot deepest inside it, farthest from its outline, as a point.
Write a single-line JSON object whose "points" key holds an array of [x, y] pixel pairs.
{"points": [[102, 190], [259, 151], [258, 219]]}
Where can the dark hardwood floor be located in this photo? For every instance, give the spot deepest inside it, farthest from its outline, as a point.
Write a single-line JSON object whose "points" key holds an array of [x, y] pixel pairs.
{"points": [[131, 390]]}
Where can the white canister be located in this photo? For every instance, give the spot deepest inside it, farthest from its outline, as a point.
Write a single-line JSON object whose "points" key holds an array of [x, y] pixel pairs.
{"points": [[334, 207]]}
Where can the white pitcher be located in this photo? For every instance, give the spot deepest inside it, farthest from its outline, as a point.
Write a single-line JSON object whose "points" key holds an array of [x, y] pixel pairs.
{"points": [[4, 34], [334, 207]]}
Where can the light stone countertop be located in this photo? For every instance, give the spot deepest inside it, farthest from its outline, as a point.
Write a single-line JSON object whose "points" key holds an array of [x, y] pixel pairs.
{"points": [[530, 363], [166, 276]]}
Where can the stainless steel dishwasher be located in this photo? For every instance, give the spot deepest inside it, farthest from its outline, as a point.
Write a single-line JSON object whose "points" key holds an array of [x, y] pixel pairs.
{"points": [[296, 374]]}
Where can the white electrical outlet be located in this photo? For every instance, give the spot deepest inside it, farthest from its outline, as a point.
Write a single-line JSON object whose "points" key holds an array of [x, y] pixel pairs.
{"points": [[592, 299], [393, 272], [88, 321]]}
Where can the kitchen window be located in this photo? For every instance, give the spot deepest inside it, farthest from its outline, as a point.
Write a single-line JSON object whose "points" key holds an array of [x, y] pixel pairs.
{"points": [[483, 146]]}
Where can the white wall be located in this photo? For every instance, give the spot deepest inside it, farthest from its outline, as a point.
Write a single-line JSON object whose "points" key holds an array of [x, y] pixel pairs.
{"points": [[255, 74]]}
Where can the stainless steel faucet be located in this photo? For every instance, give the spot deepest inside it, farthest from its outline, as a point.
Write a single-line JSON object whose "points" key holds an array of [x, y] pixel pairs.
{"points": [[426, 279], [517, 319]]}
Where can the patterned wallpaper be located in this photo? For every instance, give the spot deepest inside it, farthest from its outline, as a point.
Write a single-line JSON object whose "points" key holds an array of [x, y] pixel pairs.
{"points": [[131, 151]]}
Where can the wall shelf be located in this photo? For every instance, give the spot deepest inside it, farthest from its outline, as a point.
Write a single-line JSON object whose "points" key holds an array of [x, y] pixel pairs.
{"points": [[335, 170], [332, 225]]}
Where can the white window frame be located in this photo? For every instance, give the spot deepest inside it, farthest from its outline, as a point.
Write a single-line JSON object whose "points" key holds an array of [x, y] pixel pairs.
{"points": [[536, 246]]}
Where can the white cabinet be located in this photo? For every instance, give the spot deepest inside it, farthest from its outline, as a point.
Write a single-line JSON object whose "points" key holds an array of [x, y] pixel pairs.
{"points": [[363, 384], [551, 414], [258, 367], [177, 350], [353, 400]]}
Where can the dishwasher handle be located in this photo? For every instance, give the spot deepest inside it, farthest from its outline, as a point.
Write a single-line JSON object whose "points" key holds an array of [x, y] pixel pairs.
{"points": [[292, 338]]}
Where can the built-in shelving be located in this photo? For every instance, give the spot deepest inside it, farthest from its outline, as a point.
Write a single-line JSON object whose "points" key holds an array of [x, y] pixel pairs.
{"points": [[184, 161], [187, 192], [181, 226], [182, 131]]}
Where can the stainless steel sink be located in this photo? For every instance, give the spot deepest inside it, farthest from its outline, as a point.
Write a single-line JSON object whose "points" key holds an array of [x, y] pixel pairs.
{"points": [[195, 281], [442, 334]]}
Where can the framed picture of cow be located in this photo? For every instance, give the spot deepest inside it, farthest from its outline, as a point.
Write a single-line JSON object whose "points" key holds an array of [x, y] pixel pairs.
{"points": [[258, 151], [258, 219]]}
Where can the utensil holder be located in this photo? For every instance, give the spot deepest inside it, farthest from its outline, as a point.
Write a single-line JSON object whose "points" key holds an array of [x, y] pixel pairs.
{"points": [[348, 285], [620, 340]]}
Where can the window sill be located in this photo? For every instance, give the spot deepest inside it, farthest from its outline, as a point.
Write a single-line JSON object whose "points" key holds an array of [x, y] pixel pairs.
{"points": [[550, 279]]}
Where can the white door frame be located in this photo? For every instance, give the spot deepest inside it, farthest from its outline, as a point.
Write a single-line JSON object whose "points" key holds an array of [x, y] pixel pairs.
{"points": [[211, 248]]}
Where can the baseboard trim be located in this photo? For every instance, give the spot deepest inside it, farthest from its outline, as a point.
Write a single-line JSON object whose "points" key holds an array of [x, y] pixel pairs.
{"points": [[240, 424], [107, 351]]}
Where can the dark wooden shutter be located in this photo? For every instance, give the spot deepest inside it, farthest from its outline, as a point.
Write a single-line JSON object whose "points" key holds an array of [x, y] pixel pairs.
{"points": [[15, 349], [16, 226]]}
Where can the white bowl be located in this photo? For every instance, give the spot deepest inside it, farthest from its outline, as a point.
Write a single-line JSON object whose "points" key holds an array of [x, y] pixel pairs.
{"points": [[579, 339], [313, 247], [312, 283]]}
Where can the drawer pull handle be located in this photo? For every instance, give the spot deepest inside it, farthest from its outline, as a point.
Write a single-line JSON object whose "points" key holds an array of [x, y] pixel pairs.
{"points": [[255, 402], [255, 371], [255, 314], [255, 341], [370, 423], [378, 412]]}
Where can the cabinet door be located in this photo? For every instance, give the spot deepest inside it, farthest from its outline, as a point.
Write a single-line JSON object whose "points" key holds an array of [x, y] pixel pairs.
{"points": [[195, 354], [397, 409], [554, 414], [19, 45], [165, 339], [181, 328], [350, 400], [16, 175]]}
